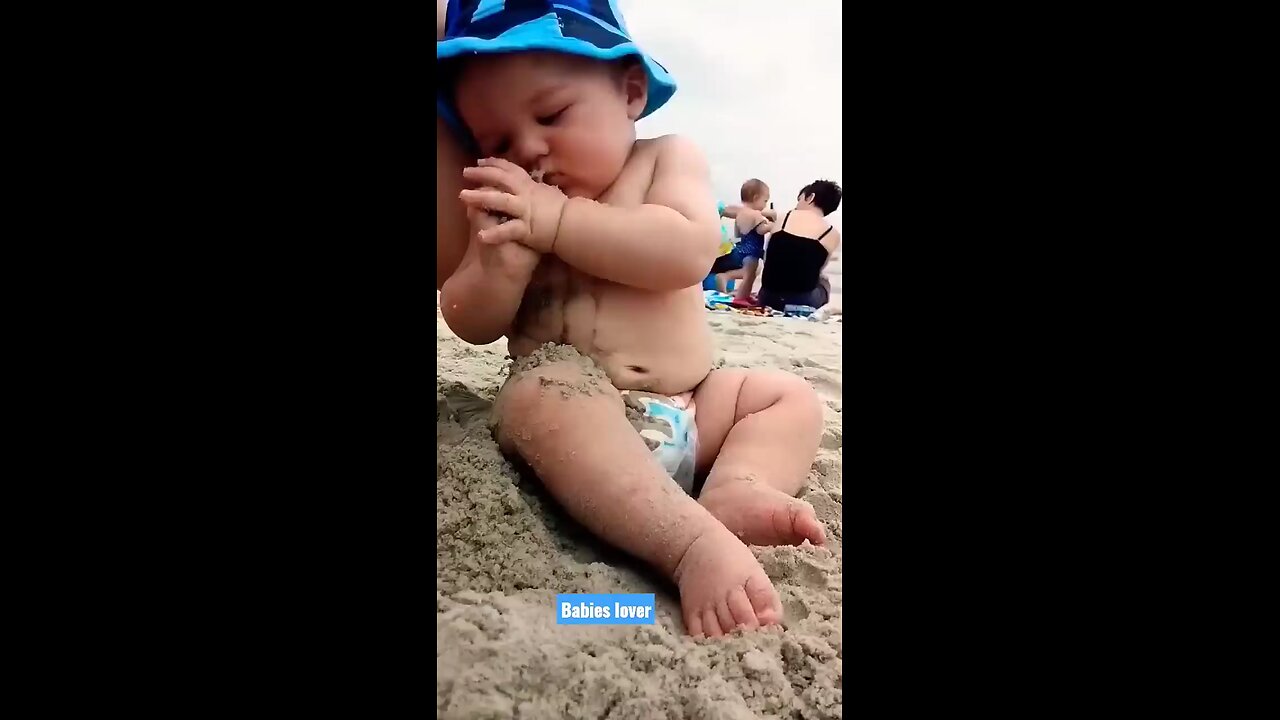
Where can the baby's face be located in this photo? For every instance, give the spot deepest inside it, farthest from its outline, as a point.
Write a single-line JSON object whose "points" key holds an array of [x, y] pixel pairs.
{"points": [[759, 201], [572, 118]]}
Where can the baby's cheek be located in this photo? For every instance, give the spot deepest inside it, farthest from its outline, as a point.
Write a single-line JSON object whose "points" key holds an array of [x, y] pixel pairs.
{"points": [[602, 160]]}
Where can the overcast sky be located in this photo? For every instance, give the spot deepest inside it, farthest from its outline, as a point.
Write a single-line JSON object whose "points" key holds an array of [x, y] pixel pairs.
{"points": [[738, 64]]}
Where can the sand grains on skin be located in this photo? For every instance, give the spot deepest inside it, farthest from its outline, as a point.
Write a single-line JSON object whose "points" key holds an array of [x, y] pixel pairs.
{"points": [[505, 548]]}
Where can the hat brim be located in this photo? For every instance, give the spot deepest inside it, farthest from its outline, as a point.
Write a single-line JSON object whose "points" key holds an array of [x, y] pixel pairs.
{"points": [[543, 34]]}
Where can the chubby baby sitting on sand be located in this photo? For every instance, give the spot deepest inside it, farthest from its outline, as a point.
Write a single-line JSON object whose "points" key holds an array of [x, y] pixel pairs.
{"points": [[593, 273]]}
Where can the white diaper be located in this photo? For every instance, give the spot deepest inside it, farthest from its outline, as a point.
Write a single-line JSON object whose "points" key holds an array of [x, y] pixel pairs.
{"points": [[667, 426]]}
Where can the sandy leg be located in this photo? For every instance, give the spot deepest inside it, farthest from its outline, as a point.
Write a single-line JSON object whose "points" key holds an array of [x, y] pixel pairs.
{"points": [[567, 421]]}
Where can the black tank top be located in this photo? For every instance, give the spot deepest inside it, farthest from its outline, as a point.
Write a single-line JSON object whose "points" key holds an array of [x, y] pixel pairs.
{"points": [[792, 263]]}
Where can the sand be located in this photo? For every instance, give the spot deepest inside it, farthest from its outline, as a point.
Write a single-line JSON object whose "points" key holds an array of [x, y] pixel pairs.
{"points": [[505, 549]]}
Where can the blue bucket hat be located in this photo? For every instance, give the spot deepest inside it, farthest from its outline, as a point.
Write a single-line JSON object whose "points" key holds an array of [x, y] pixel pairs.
{"points": [[588, 28]]}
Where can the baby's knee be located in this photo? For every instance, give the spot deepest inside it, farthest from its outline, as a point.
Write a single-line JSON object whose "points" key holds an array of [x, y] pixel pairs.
{"points": [[781, 382], [543, 396], [526, 392], [791, 389]]}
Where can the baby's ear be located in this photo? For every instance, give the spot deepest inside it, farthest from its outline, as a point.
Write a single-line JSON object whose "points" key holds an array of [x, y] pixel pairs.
{"points": [[635, 88]]}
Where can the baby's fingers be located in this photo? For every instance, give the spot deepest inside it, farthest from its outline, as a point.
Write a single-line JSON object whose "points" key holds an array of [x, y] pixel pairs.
{"points": [[493, 201], [481, 219], [491, 176], [503, 164], [509, 231]]}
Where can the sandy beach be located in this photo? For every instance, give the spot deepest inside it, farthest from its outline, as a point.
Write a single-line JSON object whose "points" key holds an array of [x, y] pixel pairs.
{"points": [[505, 549]]}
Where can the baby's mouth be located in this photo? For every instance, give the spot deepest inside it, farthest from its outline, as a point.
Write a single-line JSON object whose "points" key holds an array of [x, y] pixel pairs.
{"points": [[546, 178]]}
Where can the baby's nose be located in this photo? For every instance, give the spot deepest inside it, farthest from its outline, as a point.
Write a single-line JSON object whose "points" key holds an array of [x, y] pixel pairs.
{"points": [[530, 150]]}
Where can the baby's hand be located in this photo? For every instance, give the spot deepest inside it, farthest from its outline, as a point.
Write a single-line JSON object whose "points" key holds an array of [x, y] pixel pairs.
{"points": [[534, 208], [496, 253]]}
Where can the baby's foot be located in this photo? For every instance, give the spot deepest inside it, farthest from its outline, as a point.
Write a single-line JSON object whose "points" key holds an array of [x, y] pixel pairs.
{"points": [[723, 587], [762, 515]]}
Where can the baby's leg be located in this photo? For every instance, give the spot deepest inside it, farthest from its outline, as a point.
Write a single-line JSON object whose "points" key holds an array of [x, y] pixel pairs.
{"points": [[722, 279], [567, 421], [758, 431], [749, 267]]}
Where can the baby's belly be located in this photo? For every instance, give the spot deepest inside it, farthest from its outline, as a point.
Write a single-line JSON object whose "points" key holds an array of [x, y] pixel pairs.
{"points": [[655, 341]]}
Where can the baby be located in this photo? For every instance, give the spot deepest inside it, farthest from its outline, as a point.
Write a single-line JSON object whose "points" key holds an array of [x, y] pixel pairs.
{"points": [[593, 275], [752, 222]]}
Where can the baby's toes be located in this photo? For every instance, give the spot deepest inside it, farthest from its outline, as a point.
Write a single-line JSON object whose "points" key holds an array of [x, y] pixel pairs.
{"points": [[740, 607], [725, 616], [805, 522], [710, 625], [693, 622], [764, 599]]}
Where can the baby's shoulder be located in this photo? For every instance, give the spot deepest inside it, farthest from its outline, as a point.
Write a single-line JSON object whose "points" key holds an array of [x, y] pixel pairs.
{"points": [[649, 158], [671, 159], [664, 170], [666, 147]]}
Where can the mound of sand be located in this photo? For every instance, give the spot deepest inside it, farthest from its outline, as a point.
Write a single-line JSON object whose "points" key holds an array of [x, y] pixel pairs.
{"points": [[505, 549]]}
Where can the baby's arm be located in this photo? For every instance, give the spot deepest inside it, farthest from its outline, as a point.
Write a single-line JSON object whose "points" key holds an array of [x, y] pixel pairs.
{"points": [[668, 243], [749, 219], [480, 300], [731, 212]]}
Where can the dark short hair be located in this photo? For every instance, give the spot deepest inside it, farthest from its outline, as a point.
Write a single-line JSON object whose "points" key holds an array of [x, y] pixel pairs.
{"points": [[752, 189], [826, 195]]}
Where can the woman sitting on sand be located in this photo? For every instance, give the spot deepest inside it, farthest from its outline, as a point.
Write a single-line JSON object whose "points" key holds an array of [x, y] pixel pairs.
{"points": [[800, 248]]}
